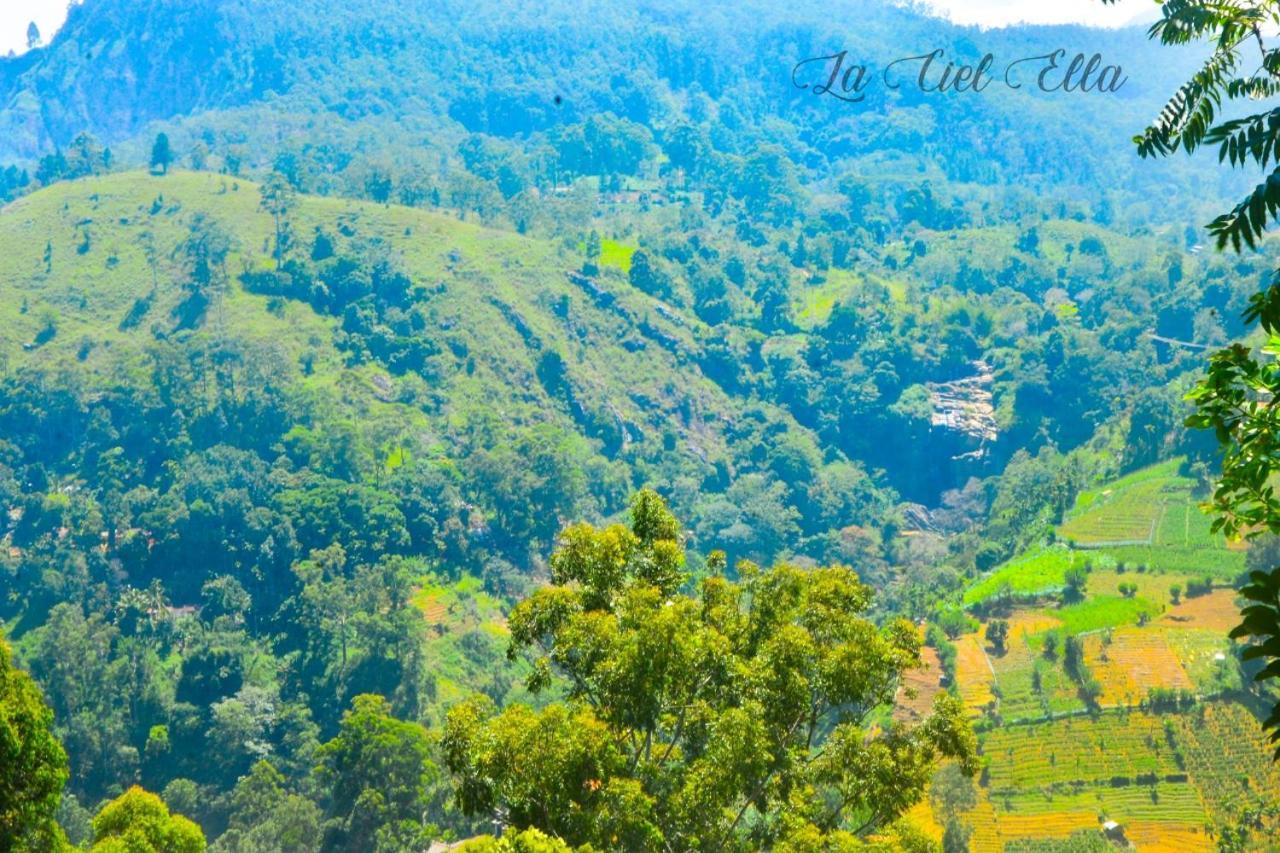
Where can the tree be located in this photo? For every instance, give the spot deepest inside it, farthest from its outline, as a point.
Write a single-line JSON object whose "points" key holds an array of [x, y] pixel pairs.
{"points": [[1238, 398], [645, 275], [952, 794], [33, 36], [591, 262], [265, 816], [139, 822], [1050, 649], [527, 841], [278, 198], [738, 717], [378, 773], [161, 154], [33, 767], [1075, 581], [998, 634]]}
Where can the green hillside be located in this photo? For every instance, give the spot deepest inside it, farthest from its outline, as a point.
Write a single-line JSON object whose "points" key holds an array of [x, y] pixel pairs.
{"points": [[508, 336], [579, 422], [494, 304], [1115, 694]]}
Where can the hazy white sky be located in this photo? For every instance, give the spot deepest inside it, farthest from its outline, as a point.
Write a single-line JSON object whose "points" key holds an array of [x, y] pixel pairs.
{"points": [[16, 14], [49, 14], [994, 13]]}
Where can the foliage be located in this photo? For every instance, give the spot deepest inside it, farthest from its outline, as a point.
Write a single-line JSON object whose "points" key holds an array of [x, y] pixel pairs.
{"points": [[139, 821], [693, 720], [161, 154], [33, 766], [378, 774]]}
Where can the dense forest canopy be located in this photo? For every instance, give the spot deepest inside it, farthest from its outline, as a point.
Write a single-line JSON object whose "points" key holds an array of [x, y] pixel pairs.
{"points": [[356, 363]]}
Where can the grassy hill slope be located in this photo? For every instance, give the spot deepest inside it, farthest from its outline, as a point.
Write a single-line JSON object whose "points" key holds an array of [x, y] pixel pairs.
{"points": [[79, 259], [95, 274]]}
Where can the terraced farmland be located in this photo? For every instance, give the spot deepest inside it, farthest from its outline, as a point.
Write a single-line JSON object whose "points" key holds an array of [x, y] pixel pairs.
{"points": [[1227, 758], [973, 673], [1056, 767], [919, 686], [1129, 661], [1217, 612], [1077, 750], [1129, 511]]}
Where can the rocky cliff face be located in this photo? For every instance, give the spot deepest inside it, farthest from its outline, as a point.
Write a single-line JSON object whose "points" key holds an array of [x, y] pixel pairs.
{"points": [[963, 408], [117, 65], [963, 427]]}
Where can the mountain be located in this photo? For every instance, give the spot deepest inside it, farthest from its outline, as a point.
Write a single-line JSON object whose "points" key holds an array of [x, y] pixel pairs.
{"points": [[430, 72], [336, 343]]}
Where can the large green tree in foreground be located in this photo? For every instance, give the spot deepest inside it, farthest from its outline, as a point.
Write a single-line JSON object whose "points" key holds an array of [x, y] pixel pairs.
{"points": [[33, 767], [1240, 396], [752, 713]]}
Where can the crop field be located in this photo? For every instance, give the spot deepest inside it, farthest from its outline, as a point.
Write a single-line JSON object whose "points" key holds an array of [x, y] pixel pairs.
{"points": [[1226, 755], [986, 828], [1152, 586], [1057, 691], [919, 686], [1035, 573], [1043, 824], [1149, 517], [1077, 750], [1015, 671], [1217, 611], [1207, 658], [1128, 510], [1104, 611], [1169, 836], [1030, 686], [1175, 780], [1184, 524], [1177, 802], [1130, 661], [1219, 563], [973, 672], [1166, 778]]}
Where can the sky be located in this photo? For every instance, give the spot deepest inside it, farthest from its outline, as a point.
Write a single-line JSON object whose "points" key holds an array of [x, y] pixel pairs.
{"points": [[995, 13], [16, 14], [49, 14]]}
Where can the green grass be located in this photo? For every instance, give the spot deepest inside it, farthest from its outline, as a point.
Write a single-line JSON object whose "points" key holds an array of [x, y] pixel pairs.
{"points": [[1034, 573], [1105, 611], [615, 254]]}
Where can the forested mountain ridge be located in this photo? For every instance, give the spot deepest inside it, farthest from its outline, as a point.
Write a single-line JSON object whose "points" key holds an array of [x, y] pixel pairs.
{"points": [[431, 73]]}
